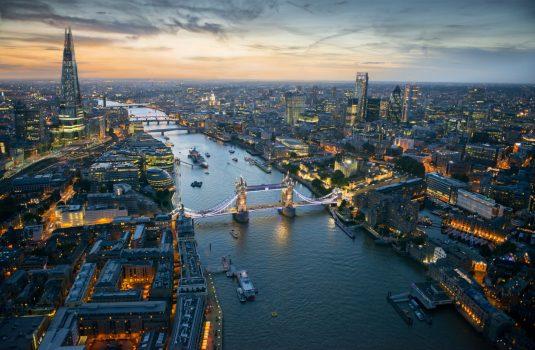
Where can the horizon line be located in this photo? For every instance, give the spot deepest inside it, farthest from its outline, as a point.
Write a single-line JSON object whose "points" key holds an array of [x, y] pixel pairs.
{"points": [[253, 80]]}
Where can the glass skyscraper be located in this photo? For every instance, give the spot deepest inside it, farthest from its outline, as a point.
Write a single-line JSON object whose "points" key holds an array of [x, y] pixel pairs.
{"points": [[361, 94], [71, 117]]}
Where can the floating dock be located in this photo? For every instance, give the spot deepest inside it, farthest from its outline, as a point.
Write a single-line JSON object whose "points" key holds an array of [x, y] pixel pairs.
{"points": [[394, 300]]}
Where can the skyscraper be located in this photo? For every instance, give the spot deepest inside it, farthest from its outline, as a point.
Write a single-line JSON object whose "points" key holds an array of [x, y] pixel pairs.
{"points": [[407, 101], [361, 93], [411, 103], [373, 109], [29, 124], [395, 105], [71, 117], [70, 88], [295, 106]]}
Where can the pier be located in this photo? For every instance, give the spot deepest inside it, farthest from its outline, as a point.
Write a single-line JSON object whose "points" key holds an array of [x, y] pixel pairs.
{"points": [[395, 300]]}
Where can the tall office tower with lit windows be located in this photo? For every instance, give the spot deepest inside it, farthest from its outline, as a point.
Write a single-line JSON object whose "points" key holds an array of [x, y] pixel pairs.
{"points": [[395, 105], [361, 93], [71, 117], [295, 106], [407, 102], [411, 103]]}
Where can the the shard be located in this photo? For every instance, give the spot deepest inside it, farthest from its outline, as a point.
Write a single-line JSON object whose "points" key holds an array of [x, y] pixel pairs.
{"points": [[70, 88], [71, 115]]}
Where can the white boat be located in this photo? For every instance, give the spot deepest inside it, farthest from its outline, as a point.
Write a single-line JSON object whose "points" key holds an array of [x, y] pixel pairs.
{"points": [[246, 285]]}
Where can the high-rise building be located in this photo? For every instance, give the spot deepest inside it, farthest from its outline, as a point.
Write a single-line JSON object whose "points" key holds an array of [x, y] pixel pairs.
{"points": [[373, 109], [395, 105], [407, 100], [411, 103], [351, 113], [295, 106], [29, 124], [361, 93], [71, 118]]}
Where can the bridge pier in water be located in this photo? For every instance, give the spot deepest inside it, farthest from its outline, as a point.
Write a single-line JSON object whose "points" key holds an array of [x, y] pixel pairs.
{"points": [[287, 197], [242, 214]]}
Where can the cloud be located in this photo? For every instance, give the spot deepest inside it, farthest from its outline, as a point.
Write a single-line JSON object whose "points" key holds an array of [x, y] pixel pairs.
{"points": [[137, 17]]}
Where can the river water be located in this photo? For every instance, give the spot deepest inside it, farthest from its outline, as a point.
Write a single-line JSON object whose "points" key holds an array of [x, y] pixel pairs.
{"points": [[329, 291]]}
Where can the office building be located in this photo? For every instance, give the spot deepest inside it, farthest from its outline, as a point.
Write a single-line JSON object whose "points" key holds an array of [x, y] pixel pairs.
{"points": [[482, 153], [114, 173], [361, 94], [373, 109], [295, 106], [351, 113], [395, 105], [443, 188], [29, 125], [479, 204]]}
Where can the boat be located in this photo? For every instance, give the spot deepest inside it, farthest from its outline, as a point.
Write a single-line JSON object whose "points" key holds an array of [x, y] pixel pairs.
{"points": [[169, 144], [419, 314], [413, 304], [194, 155], [234, 234], [246, 285], [166, 137], [274, 314], [235, 159], [225, 262], [204, 164], [206, 173], [241, 295], [196, 184], [207, 155], [231, 151], [340, 224]]}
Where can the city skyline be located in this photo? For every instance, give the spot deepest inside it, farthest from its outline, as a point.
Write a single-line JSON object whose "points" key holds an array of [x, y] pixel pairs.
{"points": [[275, 41]]}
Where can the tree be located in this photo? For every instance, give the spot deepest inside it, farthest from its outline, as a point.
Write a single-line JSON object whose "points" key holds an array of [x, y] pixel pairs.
{"points": [[411, 166], [338, 178], [318, 186]]}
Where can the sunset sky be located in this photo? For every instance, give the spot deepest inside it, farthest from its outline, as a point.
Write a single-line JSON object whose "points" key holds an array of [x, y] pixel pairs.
{"points": [[458, 41]]}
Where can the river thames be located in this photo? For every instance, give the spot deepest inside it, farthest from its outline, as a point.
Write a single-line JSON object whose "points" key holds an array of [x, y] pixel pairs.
{"points": [[329, 291]]}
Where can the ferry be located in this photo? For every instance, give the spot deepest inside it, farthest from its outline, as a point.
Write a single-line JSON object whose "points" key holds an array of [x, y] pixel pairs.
{"points": [[246, 285], [231, 151], [196, 184], [235, 159]]}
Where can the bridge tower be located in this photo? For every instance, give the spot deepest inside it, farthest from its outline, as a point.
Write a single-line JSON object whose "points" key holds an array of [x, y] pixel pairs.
{"points": [[287, 196], [241, 214]]}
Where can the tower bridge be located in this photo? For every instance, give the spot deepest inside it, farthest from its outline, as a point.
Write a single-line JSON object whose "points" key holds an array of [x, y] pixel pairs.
{"points": [[238, 208]]}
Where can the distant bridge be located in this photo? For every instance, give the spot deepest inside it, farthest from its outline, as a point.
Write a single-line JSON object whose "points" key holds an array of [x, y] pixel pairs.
{"points": [[237, 204]]}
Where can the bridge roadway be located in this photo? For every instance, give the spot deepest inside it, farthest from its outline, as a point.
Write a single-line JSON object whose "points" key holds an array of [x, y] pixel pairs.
{"points": [[263, 187], [258, 207]]}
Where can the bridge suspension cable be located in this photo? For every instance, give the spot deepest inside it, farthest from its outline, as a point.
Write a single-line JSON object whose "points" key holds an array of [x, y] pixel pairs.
{"points": [[329, 198], [217, 209]]}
